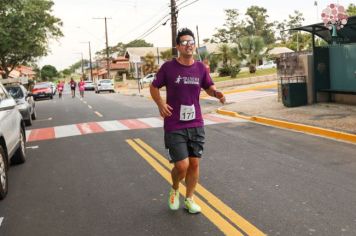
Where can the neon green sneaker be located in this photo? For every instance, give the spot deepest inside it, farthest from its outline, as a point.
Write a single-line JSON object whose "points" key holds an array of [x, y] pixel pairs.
{"points": [[173, 200], [191, 206]]}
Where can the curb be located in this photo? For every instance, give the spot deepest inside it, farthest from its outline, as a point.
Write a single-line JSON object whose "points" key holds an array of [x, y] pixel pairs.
{"points": [[294, 126]]}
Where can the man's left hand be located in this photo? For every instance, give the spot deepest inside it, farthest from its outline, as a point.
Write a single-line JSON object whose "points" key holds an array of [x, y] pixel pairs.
{"points": [[219, 95]]}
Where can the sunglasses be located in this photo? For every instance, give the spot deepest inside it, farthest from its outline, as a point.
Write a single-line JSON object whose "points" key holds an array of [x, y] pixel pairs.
{"points": [[187, 42]]}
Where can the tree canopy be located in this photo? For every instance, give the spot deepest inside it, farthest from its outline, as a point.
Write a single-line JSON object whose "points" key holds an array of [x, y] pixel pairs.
{"points": [[351, 10], [120, 47], [25, 29], [48, 72]]}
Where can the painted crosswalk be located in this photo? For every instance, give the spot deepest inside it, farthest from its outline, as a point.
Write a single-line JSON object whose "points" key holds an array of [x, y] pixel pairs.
{"points": [[113, 125]]}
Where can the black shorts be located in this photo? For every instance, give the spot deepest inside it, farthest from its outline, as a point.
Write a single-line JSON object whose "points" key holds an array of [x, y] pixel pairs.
{"points": [[184, 143]]}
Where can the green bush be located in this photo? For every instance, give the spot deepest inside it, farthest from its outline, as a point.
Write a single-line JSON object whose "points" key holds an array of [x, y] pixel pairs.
{"points": [[224, 71], [234, 70]]}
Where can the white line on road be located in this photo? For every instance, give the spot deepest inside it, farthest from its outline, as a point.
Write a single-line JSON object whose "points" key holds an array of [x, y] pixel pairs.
{"points": [[84, 102], [100, 115], [1, 219], [33, 147], [90, 107], [50, 118]]}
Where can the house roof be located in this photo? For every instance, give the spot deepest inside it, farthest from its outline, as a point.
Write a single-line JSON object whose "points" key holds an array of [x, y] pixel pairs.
{"points": [[347, 34], [143, 51], [120, 65], [279, 50]]}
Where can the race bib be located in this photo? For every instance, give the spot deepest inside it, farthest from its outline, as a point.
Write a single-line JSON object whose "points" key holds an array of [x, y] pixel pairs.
{"points": [[187, 113]]}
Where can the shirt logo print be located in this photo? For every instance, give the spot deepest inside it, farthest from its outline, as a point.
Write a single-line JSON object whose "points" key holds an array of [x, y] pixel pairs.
{"points": [[178, 80], [187, 80]]}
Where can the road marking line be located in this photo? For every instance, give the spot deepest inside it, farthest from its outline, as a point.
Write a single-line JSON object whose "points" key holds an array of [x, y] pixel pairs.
{"points": [[89, 128], [33, 147], [41, 134], [90, 107], [1, 219], [85, 102], [28, 132], [225, 210], [135, 124], [113, 125], [66, 131], [50, 118], [207, 211], [153, 122], [98, 114]]}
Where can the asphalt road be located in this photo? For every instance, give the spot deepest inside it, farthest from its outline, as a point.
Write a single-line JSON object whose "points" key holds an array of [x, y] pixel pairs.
{"points": [[254, 179]]}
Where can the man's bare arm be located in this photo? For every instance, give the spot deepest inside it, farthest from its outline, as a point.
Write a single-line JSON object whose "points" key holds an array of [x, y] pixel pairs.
{"points": [[164, 109], [213, 92]]}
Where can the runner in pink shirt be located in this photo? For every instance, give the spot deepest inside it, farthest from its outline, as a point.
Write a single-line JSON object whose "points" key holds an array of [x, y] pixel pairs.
{"points": [[81, 87]]}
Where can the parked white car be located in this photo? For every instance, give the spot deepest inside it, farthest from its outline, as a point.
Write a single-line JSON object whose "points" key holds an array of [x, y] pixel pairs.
{"points": [[104, 85], [89, 85], [267, 65], [12, 138], [148, 78]]}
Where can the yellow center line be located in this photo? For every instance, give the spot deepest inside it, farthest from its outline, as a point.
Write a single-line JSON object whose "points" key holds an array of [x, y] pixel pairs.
{"points": [[207, 211], [234, 217]]}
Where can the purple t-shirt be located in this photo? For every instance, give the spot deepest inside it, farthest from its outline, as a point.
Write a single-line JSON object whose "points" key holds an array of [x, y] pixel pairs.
{"points": [[183, 85]]}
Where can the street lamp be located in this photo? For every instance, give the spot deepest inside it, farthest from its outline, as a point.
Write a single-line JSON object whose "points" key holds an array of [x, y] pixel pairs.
{"points": [[91, 67]]}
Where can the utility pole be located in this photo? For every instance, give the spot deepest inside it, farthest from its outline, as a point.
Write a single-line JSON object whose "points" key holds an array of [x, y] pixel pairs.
{"points": [[198, 44], [174, 27], [107, 46], [198, 36], [91, 66]]}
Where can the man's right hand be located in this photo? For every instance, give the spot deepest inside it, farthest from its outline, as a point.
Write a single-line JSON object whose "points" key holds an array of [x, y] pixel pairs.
{"points": [[165, 110]]}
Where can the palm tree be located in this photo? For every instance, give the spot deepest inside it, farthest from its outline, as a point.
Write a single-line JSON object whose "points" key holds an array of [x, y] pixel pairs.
{"points": [[150, 64], [252, 50], [166, 55], [224, 53]]}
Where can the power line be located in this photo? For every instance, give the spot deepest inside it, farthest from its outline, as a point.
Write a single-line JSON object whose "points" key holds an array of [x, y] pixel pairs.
{"points": [[187, 4], [158, 24]]}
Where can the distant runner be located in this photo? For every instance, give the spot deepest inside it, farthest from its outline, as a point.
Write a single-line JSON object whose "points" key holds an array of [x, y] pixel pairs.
{"points": [[73, 85]]}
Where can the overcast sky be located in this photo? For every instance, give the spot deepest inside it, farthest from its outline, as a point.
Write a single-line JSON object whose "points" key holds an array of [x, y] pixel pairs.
{"points": [[132, 18]]}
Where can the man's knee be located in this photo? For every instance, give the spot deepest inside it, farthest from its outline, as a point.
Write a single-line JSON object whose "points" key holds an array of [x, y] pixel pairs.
{"points": [[194, 163], [182, 166]]}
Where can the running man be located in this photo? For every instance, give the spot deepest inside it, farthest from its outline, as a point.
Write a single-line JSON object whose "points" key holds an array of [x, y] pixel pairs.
{"points": [[183, 122]]}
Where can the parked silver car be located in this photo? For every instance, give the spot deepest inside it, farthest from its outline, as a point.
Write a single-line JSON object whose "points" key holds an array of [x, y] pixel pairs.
{"points": [[24, 101], [12, 138]]}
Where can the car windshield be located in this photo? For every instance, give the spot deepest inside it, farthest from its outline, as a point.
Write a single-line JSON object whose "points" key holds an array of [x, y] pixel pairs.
{"points": [[15, 92], [41, 86], [106, 81], [88, 82]]}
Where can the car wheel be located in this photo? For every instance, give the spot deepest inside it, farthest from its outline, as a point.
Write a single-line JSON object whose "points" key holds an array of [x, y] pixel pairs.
{"points": [[20, 154], [34, 115], [3, 174], [51, 97]]}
